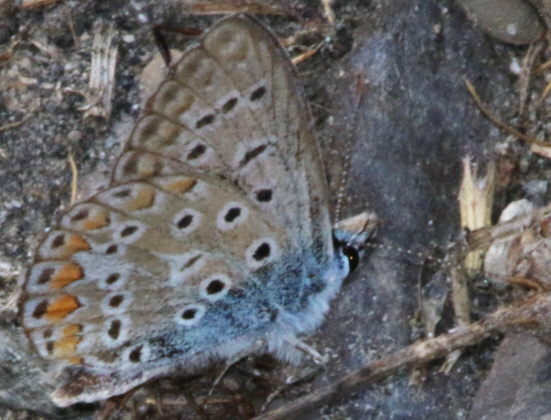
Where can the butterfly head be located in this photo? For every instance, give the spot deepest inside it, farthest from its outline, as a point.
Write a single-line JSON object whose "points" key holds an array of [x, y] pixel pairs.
{"points": [[349, 240]]}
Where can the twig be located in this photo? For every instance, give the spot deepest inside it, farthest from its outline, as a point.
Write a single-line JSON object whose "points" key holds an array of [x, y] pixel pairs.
{"points": [[484, 237], [102, 72], [216, 7], [533, 312], [328, 11], [11, 125], [545, 91], [35, 4], [74, 180], [8, 53], [73, 33], [307, 54], [476, 198], [500, 124], [524, 79]]}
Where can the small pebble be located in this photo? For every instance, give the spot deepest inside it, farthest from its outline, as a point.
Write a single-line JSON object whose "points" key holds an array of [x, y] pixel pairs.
{"points": [[535, 187], [129, 38], [74, 136], [515, 67]]}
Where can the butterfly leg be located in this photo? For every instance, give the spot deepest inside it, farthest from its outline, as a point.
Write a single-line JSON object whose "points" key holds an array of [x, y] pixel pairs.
{"points": [[255, 349], [259, 347], [305, 348]]}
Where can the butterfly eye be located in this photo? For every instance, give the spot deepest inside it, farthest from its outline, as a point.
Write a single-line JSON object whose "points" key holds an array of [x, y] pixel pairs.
{"points": [[353, 257]]}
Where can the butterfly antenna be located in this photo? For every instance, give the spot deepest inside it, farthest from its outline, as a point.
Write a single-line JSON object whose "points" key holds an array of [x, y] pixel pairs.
{"points": [[160, 40], [342, 187], [360, 96]]}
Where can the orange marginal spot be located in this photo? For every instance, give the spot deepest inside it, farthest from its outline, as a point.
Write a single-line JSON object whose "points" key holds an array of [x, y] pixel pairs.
{"points": [[145, 199], [144, 130], [97, 221], [75, 360], [167, 134], [73, 245], [185, 104], [72, 329], [78, 243], [61, 307], [69, 273], [146, 166], [182, 185], [173, 99], [66, 345]]}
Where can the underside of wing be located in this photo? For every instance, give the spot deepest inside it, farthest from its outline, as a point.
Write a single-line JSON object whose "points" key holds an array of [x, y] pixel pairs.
{"points": [[234, 105], [131, 282], [215, 227]]}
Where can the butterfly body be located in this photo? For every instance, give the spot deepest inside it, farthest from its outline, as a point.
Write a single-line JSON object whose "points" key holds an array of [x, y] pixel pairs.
{"points": [[214, 234]]}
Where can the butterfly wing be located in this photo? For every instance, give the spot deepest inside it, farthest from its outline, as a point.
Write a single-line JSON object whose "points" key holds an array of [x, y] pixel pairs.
{"points": [[234, 105], [211, 234]]}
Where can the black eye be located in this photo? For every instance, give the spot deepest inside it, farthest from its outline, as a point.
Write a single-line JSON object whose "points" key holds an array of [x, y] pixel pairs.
{"points": [[353, 257]]}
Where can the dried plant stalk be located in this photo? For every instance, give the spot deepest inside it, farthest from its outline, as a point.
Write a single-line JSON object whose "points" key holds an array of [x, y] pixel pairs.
{"points": [[102, 74]]}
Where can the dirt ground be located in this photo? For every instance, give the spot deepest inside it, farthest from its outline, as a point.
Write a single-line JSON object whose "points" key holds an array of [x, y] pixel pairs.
{"points": [[407, 138]]}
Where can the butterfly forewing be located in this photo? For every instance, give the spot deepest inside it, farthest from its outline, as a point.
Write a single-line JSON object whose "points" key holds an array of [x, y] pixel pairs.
{"points": [[233, 105], [215, 207]]}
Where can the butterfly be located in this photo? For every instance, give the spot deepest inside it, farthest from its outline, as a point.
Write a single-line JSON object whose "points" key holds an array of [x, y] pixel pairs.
{"points": [[213, 235]]}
